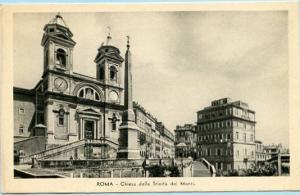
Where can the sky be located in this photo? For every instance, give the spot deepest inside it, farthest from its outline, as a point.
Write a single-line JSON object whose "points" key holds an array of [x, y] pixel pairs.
{"points": [[181, 60]]}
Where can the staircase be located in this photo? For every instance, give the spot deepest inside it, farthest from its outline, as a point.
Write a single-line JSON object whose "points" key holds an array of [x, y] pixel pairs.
{"points": [[65, 148], [200, 170]]}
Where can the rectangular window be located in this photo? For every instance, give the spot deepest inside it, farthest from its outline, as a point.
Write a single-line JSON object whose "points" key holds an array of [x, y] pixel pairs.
{"points": [[228, 136], [237, 135], [61, 120], [114, 126], [21, 111], [21, 129], [236, 112]]}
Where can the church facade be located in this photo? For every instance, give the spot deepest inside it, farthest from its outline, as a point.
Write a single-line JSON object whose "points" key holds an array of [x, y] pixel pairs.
{"points": [[66, 107]]}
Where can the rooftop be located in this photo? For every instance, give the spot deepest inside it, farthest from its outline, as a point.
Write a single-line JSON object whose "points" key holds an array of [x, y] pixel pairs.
{"points": [[216, 104], [58, 20], [185, 127]]}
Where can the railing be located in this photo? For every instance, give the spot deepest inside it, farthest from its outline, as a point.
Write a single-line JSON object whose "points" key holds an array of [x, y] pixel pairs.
{"points": [[30, 138], [66, 147], [100, 141], [52, 151], [210, 167], [91, 163]]}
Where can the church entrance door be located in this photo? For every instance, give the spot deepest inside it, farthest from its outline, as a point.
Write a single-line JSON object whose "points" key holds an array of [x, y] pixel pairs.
{"points": [[89, 127]]}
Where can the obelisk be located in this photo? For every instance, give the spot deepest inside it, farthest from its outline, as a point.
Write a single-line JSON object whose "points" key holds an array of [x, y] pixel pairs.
{"points": [[128, 145]]}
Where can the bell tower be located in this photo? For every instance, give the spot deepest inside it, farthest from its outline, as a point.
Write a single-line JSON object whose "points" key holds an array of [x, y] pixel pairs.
{"points": [[109, 63], [58, 46]]}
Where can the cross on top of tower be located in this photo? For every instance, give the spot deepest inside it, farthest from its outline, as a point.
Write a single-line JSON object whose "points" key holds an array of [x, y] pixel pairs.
{"points": [[108, 38], [58, 19], [128, 38], [108, 30], [58, 15]]}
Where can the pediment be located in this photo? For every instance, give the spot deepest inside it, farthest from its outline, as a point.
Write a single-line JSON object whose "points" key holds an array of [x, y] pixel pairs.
{"points": [[89, 111]]}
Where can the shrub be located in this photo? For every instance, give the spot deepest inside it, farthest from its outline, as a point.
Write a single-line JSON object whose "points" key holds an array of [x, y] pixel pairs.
{"points": [[163, 171], [174, 171], [156, 171], [233, 173]]}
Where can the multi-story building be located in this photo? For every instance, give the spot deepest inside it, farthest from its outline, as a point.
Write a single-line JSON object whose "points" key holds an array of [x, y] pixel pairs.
{"points": [[260, 153], [185, 141], [168, 144], [273, 150], [156, 140], [226, 134], [167, 138]]}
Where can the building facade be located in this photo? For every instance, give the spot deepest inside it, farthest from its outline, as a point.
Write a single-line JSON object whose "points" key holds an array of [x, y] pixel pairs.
{"points": [[185, 141], [273, 150], [261, 154], [155, 139], [68, 108], [226, 134]]}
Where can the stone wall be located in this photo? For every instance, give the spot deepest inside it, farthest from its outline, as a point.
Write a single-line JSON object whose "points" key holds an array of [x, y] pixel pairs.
{"points": [[24, 114], [112, 168], [30, 146], [100, 164]]}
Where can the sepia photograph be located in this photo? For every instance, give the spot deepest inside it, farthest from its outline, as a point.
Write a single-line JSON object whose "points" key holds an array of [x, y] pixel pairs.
{"points": [[150, 94]]}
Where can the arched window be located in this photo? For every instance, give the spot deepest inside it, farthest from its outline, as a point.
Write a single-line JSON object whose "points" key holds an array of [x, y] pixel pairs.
{"points": [[89, 93], [61, 117], [113, 73], [61, 57]]}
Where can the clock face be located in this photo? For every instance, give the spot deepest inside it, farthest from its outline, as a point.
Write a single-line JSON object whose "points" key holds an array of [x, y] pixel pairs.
{"points": [[60, 84], [113, 96]]}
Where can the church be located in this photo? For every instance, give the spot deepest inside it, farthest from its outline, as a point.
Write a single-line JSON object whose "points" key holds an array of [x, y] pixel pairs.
{"points": [[70, 115]]}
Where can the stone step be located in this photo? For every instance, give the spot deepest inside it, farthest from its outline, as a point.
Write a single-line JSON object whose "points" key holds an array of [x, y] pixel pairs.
{"points": [[200, 170]]}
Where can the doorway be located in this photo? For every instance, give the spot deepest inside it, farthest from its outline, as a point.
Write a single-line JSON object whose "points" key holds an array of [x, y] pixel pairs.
{"points": [[89, 127]]}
